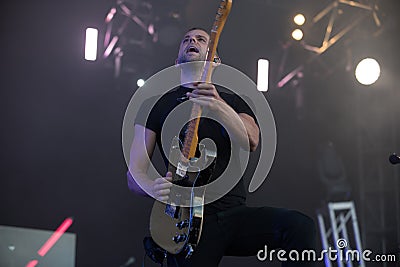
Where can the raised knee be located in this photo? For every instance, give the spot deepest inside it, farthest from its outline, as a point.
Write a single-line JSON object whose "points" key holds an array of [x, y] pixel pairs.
{"points": [[303, 227]]}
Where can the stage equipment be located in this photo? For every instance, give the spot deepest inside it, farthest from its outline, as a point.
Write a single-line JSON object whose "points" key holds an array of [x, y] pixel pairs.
{"points": [[336, 10], [344, 229]]}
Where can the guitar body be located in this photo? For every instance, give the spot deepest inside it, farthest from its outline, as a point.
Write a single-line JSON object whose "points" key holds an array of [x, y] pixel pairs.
{"points": [[177, 226]]}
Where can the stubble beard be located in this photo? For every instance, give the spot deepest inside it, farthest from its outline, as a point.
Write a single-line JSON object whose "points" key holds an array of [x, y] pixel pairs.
{"points": [[185, 58]]}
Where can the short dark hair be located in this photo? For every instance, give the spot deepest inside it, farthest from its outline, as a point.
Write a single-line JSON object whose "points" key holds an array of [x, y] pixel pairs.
{"points": [[197, 28]]}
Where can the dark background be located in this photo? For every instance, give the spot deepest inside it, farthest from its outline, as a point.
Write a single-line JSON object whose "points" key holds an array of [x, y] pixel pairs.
{"points": [[61, 116]]}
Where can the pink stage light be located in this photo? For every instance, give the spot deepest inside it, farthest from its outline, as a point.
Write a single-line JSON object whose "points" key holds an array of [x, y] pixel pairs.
{"points": [[52, 240], [55, 236], [32, 263]]}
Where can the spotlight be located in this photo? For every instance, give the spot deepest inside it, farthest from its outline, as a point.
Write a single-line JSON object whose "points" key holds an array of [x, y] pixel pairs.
{"points": [[299, 19], [140, 82], [91, 44], [110, 14], [297, 34], [262, 75], [367, 71]]}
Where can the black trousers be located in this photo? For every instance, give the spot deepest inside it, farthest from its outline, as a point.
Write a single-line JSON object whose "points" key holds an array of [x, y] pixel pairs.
{"points": [[244, 231]]}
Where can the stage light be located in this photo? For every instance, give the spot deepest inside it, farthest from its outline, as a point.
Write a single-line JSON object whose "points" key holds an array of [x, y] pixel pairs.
{"points": [[367, 71], [262, 75], [91, 44], [299, 19], [140, 82], [150, 29], [32, 263], [297, 34], [110, 14], [55, 236], [52, 240]]}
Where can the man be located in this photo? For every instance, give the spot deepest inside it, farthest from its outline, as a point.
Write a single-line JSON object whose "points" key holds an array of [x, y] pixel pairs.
{"points": [[230, 227]]}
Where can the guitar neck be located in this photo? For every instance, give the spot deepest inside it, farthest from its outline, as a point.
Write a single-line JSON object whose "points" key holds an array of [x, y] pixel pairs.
{"points": [[191, 138]]}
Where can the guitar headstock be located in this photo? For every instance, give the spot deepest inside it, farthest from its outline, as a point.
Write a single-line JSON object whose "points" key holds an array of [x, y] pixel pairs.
{"points": [[216, 30], [222, 14]]}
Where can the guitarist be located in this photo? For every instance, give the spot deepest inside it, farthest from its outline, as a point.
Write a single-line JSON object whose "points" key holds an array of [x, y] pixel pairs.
{"points": [[230, 227]]}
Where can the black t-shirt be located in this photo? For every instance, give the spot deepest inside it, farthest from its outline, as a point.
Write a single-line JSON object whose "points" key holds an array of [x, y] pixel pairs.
{"points": [[208, 128]]}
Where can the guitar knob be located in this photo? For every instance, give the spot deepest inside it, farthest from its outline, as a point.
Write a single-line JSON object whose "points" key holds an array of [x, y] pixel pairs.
{"points": [[182, 224], [189, 251], [179, 238]]}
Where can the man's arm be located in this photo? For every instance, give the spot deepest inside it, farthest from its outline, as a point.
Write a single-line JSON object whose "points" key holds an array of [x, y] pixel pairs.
{"points": [[141, 151], [242, 126], [253, 132]]}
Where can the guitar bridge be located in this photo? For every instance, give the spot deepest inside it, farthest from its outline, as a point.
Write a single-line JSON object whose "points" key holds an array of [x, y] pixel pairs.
{"points": [[181, 170]]}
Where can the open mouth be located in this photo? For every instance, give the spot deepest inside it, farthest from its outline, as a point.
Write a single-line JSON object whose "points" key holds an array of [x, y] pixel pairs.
{"points": [[192, 49]]}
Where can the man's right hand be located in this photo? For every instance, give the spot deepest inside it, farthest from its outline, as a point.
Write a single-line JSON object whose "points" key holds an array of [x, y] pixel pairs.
{"points": [[161, 187]]}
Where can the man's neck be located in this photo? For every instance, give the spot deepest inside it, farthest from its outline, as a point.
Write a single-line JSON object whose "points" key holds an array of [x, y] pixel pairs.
{"points": [[191, 73]]}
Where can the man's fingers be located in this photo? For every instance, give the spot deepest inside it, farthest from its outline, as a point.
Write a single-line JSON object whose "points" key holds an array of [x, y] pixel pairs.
{"points": [[201, 101], [207, 86], [163, 192], [163, 198], [203, 92], [168, 176], [163, 185]]}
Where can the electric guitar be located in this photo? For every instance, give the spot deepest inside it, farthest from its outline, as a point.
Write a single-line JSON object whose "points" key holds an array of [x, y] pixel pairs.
{"points": [[177, 226]]}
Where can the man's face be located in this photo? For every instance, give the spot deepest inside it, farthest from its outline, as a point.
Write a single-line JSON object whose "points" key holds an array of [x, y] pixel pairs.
{"points": [[193, 47]]}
